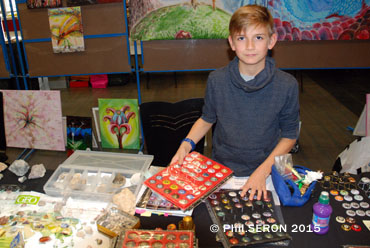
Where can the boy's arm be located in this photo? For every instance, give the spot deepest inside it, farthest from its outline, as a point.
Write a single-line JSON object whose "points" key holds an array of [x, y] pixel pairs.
{"points": [[257, 181], [197, 132]]}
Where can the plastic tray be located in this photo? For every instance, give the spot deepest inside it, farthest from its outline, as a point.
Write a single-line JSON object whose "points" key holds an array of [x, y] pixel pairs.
{"points": [[90, 175]]}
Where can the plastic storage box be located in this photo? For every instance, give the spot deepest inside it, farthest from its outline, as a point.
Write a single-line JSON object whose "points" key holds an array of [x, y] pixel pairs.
{"points": [[93, 175]]}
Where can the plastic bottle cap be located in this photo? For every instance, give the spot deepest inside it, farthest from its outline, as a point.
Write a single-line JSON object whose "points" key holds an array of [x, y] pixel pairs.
{"points": [[324, 197]]}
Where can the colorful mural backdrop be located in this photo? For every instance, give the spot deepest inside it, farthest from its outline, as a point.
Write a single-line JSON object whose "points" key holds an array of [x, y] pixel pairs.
{"points": [[79, 133], [33, 119], [119, 123], [35, 4], [321, 20], [66, 29], [209, 19]]}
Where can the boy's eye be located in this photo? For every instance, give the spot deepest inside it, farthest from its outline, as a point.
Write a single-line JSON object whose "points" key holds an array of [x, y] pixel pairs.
{"points": [[240, 38], [259, 37]]}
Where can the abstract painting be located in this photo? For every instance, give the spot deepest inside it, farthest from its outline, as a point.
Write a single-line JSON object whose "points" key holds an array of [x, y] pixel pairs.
{"points": [[66, 30], [35, 4], [79, 133], [321, 20], [33, 119], [119, 123]]}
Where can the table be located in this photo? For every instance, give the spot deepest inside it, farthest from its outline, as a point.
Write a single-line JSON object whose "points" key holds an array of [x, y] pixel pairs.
{"points": [[294, 218]]}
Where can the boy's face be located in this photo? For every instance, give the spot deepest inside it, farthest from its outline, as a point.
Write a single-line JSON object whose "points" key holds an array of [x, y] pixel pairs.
{"points": [[251, 46]]}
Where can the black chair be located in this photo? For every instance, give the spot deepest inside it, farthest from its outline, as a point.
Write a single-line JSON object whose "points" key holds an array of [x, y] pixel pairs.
{"points": [[166, 124]]}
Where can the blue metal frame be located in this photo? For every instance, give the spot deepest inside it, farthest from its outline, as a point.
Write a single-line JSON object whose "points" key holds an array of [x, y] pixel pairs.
{"points": [[14, 67]]}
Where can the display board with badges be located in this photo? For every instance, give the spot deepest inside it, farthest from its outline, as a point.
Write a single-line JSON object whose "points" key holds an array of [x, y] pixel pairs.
{"points": [[187, 184]]}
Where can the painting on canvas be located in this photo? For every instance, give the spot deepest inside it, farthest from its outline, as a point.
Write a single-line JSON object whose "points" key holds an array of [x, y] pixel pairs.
{"points": [[119, 123], [35, 4], [79, 133], [33, 119], [66, 29]]}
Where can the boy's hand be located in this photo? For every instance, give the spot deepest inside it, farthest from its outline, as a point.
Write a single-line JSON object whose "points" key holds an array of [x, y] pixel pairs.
{"points": [[183, 150], [257, 183]]}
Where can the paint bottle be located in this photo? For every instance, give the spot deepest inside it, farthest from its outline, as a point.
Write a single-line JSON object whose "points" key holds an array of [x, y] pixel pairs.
{"points": [[321, 214]]}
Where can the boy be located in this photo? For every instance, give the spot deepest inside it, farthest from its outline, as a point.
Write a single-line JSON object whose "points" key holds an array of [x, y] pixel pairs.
{"points": [[253, 105]]}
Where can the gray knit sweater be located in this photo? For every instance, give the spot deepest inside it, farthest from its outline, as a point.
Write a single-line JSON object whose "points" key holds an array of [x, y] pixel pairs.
{"points": [[250, 116]]}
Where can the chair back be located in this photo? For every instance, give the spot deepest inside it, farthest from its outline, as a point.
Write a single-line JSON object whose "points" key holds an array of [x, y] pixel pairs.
{"points": [[166, 124]]}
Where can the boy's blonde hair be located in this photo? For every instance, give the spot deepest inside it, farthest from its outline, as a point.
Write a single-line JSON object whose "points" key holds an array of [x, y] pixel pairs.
{"points": [[251, 15]]}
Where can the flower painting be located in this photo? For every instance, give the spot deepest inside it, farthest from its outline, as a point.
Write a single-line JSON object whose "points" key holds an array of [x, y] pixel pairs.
{"points": [[119, 123], [79, 133], [66, 29], [33, 119]]}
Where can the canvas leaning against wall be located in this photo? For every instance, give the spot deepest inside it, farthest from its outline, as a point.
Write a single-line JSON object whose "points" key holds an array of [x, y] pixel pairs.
{"points": [[79, 132], [209, 19], [33, 119], [66, 30], [119, 123]]}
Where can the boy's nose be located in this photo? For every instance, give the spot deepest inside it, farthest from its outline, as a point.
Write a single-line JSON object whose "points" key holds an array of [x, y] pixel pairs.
{"points": [[250, 44]]}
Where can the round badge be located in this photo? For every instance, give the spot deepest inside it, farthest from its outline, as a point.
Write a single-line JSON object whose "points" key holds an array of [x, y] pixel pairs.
{"points": [[166, 182], [338, 198], [356, 227], [216, 166], [355, 191], [183, 201], [152, 181], [190, 166], [355, 205], [209, 162], [213, 196], [214, 202], [174, 186], [235, 199], [172, 178], [249, 204], [364, 204], [351, 179], [238, 205], [343, 192], [367, 213], [245, 198], [197, 170], [205, 174], [224, 170], [346, 205], [225, 201], [200, 179], [214, 179], [167, 191], [246, 240], [256, 215], [350, 220], [238, 225], [219, 174], [360, 212], [280, 234], [228, 207], [259, 203], [189, 159], [334, 192], [210, 170], [350, 213], [267, 214], [358, 197], [245, 217], [185, 170], [159, 177], [190, 197], [232, 194], [221, 214], [260, 222], [249, 223], [177, 166], [188, 187], [181, 192], [192, 174], [234, 241], [175, 196], [203, 188], [241, 233], [194, 155], [271, 220], [257, 237], [348, 198], [159, 186], [208, 183], [203, 166], [269, 236], [345, 227], [340, 219], [218, 208]]}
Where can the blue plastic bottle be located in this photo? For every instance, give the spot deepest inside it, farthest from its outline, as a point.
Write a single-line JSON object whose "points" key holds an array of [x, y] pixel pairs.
{"points": [[321, 214]]}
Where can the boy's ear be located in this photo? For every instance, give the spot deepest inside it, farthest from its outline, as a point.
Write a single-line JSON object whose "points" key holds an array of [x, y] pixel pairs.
{"points": [[231, 42], [273, 40]]}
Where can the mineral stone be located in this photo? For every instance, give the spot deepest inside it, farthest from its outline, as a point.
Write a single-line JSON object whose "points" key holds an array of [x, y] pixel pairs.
{"points": [[19, 167], [125, 200], [22, 179], [37, 171], [3, 167]]}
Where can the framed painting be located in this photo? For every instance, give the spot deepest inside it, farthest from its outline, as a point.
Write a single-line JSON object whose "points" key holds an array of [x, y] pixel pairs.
{"points": [[119, 123], [36, 4], [66, 29], [33, 119], [79, 133]]}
